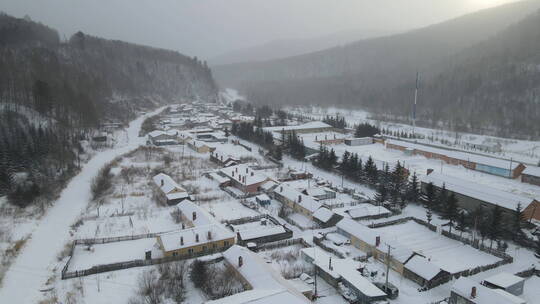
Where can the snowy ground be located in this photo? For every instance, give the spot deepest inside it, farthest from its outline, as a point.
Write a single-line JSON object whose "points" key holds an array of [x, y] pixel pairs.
{"points": [[33, 264]]}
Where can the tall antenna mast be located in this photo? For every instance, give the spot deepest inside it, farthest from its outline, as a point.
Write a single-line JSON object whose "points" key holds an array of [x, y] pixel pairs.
{"points": [[414, 105]]}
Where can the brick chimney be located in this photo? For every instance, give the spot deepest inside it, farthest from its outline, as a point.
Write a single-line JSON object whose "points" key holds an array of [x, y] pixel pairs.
{"points": [[194, 215], [473, 292], [209, 235], [181, 241], [233, 174], [162, 182], [240, 261], [197, 237], [299, 198], [377, 241]]}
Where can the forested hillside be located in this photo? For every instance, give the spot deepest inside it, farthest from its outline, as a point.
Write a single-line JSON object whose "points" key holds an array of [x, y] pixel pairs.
{"points": [[54, 94], [379, 74]]}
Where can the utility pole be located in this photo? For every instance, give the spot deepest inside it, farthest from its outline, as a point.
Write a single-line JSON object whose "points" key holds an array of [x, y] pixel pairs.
{"points": [[387, 264], [414, 105]]}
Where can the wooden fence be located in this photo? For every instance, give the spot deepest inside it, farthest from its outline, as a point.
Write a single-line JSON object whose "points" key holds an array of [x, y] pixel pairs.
{"points": [[283, 243], [130, 264]]}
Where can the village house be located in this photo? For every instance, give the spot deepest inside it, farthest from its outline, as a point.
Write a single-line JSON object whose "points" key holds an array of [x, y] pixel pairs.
{"points": [[531, 175], [172, 191], [195, 241], [422, 272], [190, 215], [199, 146], [343, 272], [223, 160], [370, 241], [244, 178], [359, 141], [320, 193], [296, 200], [163, 138], [264, 284], [264, 230], [325, 217], [467, 291], [485, 164], [366, 211], [472, 195]]}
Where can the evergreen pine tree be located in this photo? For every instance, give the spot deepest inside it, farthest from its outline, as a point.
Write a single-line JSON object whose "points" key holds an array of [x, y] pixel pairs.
{"points": [[537, 253], [429, 214], [451, 210], [461, 223], [413, 189], [495, 225], [442, 199], [382, 193], [517, 224]]}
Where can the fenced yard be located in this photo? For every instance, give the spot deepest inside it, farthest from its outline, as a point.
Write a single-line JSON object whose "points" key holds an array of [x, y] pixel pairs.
{"points": [[441, 250]]}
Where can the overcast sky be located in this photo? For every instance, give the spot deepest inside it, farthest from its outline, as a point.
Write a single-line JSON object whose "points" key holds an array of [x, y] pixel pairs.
{"points": [[207, 28]]}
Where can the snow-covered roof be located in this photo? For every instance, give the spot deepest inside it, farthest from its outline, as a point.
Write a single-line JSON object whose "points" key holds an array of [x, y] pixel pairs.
{"points": [[269, 287], [344, 268], [172, 240], [504, 280], [262, 231], [323, 214], [167, 184], [263, 197], [399, 252], [422, 267], [478, 191], [177, 195], [306, 126], [243, 174], [298, 197], [198, 144], [202, 217], [464, 156], [156, 133], [531, 170], [268, 185], [463, 287], [366, 210], [218, 178], [315, 191]]}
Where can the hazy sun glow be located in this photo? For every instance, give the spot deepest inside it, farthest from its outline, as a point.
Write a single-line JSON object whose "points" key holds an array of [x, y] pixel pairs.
{"points": [[479, 4]]}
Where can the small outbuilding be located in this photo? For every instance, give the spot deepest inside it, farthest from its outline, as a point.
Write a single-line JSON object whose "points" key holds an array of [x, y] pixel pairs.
{"points": [[263, 199], [507, 282]]}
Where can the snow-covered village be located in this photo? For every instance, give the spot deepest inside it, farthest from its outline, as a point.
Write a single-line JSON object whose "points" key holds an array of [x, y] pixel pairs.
{"points": [[390, 167]]}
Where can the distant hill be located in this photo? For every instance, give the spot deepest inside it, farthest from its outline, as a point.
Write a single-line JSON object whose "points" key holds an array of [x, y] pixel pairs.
{"points": [[292, 47], [379, 73], [54, 94]]}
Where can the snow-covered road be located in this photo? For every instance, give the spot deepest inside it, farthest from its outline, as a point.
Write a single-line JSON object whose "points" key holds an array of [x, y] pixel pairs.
{"points": [[30, 270]]}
